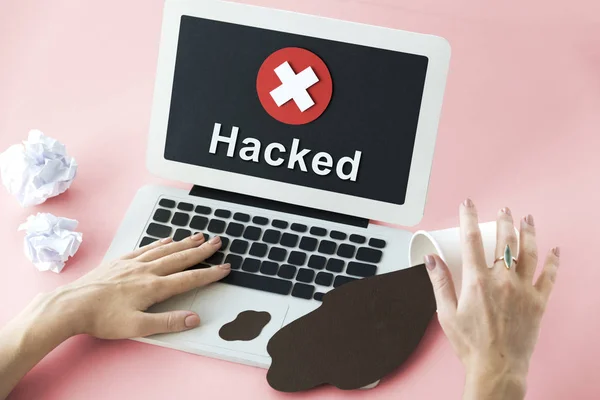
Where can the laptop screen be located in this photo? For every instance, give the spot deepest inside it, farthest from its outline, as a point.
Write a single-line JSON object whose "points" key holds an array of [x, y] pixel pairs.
{"points": [[296, 109]]}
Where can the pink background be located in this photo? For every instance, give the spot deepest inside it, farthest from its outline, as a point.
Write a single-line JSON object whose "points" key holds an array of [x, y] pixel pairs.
{"points": [[520, 127]]}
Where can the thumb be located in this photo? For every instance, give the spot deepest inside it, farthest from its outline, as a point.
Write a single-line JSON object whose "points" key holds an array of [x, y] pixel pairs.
{"points": [[173, 321], [443, 286]]}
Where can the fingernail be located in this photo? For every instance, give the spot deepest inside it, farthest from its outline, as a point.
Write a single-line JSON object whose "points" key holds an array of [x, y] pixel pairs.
{"points": [[529, 220], [198, 236], [506, 211], [468, 203], [215, 240], [192, 321], [225, 266], [430, 262], [556, 251], [166, 240]]}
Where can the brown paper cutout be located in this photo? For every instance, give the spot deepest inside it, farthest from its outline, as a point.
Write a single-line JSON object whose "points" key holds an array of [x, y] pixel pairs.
{"points": [[246, 326], [363, 331]]}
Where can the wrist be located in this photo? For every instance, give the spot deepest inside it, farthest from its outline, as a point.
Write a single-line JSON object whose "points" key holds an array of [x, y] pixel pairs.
{"points": [[496, 380]]}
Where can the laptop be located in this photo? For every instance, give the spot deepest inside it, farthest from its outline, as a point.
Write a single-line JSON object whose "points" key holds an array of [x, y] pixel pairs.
{"points": [[295, 131]]}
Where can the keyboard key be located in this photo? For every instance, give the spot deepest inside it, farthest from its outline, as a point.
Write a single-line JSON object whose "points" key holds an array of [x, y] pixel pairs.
{"points": [[162, 215], [203, 210], [308, 243], [199, 223], [318, 231], [258, 250], [303, 291], [271, 236], [287, 271], [241, 217], [341, 280], [239, 246], [252, 233], [215, 259], [199, 266], [166, 203], [185, 206], [180, 219], [235, 261], [269, 268], [327, 247], [147, 240], [380, 244], [305, 275], [277, 254], [234, 229], [368, 255], [159, 231], [223, 213], [324, 279], [251, 265], [319, 296], [181, 234], [260, 220], [289, 240], [317, 262], [346, 250], [260, 282], [335, 265], [337, 235], [216, 226], [206, 237], [360, 269], [224, 243], [299, 228], [277, 223], [297, 258], [358, 239]]}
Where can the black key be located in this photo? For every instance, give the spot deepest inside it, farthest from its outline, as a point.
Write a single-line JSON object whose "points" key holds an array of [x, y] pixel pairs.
{"points": [[271, 236], [251, 265], [346, 250], [241, 217], [258, 250], [215, 259], [358, 239], [185, 206], [146, 241], [224, 243], [341, 280], [159, 231], [269, 268], [299, 228], [368, 255], [277, 254], [324, 279], [180, 219], [303, 291], [308, 243], [216, 226], [199, 223], [380, 244], [335, 265], [260, 220], [277, 223], [252, 233], [287, 271], [234, 229], [199, 266], [327, 247], [337, 235], [360, 269], [305, 275], [289, 240], [239, 246], [181, 234], [260, 282], [297, 258], [235, 261], [317, 262], [318, 231], [206, 237], [162, 215], [223, 213], [166, 203], [203, 210], [318, 296]]}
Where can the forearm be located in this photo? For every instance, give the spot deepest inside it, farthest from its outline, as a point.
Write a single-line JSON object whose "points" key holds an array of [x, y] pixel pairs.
{"points": [[494, 386]]}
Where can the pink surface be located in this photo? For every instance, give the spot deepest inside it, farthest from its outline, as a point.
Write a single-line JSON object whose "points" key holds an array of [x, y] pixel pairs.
{"points": [[523, 85]]}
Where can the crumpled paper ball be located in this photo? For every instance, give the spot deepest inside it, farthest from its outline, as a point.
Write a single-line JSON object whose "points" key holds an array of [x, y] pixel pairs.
{"points": [[37, 169], [50, 241]]}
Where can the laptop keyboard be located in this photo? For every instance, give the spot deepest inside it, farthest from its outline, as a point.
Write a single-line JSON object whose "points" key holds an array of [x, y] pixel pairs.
{"points": [[272, 255]]}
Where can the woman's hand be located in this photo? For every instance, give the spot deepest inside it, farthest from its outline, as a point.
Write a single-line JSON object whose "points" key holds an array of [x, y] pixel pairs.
{"points": [[494, 325]]}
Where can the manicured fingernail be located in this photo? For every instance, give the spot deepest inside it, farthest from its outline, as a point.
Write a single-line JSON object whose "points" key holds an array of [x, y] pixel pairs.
{"points": [[430, 262], [166, 240], [506, 211], [215, 240], [198, 236], [225, 266], [192, 321], [468, 203], [556, 251], [529, 220]]}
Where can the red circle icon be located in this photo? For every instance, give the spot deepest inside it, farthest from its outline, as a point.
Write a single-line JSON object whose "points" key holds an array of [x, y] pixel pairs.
{"points": [[294, 86]]}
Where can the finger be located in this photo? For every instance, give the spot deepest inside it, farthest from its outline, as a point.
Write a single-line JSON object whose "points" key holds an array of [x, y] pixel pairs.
{"points": [[146, 248], [528, 257], [174, 321], [160, 252], [505, 235], [181, 260], [443, 285], [182, 282], [545, 281], [471, 243]]}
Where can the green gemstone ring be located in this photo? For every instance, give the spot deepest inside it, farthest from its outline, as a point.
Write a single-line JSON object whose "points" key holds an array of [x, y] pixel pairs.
{"points": [[508, 258]]}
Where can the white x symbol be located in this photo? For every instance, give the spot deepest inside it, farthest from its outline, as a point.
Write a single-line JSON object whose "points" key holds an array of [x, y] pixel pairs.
{"points": [[294, 86]]}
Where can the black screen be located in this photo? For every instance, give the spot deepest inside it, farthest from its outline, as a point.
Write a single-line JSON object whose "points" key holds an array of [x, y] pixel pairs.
{"points": [[374, 108]]}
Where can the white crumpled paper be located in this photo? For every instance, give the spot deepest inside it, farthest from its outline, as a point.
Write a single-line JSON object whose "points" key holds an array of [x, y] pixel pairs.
{"points": [[37, 170], [50, 241]]}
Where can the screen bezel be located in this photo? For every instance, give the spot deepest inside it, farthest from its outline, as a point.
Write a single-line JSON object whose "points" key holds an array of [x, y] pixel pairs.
{"points": [[435, 48]]}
